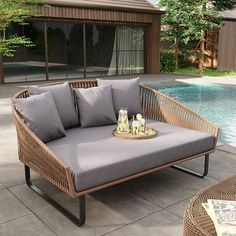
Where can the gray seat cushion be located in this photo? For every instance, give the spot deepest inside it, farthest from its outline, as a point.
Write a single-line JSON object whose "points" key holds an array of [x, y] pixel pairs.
{"points": [[95, 106], [96, 157], [126, 94], [40, 114], [64, 102]]}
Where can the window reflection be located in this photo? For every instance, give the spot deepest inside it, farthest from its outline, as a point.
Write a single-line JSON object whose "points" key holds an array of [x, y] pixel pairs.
{"points": [[100, 42], [35, 55], [57, 58], [75, 50], [110, 50], [14, 67]]}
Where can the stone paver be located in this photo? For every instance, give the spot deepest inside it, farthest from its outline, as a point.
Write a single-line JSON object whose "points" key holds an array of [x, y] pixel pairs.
{"points": [[162, 223], [106, 211], [151, 205], [170, 182], [29, 198], [179, 207], [12, 175], [25, 226], [227, 148], [1, 186], [220, 160], [10, 207]]}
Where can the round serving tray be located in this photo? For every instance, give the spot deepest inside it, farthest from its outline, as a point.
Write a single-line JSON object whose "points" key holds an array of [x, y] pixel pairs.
{"points": [[132, 137]]}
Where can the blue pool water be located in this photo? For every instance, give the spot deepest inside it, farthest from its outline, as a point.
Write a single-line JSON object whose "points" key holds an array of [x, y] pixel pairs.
{"points": [[217, 103]]}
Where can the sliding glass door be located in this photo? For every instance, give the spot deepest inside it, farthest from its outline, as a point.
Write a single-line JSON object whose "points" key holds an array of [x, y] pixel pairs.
{"points": [[69, 50], [75, 50], [28, 63], [56, 50], [100, 40]]}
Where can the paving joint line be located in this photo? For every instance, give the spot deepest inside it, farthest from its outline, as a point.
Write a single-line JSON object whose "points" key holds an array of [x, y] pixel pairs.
{"points": [[6, 222], [226, 151], [173, 213], [143, 198], [130, 223], [32, 211]]}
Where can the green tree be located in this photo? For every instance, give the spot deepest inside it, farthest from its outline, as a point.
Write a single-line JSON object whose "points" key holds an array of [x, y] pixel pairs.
{"points": [[222, 5], [14, 12], [186, 23]]}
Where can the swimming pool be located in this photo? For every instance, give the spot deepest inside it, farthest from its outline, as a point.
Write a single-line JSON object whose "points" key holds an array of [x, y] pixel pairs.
{"points": [[217, 103]]}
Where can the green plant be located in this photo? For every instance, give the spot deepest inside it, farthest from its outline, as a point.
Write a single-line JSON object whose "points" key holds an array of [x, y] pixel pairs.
{"points": [[183, 59], [186, 21], [168, 61], [14, 12]]}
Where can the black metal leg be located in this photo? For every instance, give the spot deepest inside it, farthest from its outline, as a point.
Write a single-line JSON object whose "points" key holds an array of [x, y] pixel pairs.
{"points": [[206, 167], [78, 221]]}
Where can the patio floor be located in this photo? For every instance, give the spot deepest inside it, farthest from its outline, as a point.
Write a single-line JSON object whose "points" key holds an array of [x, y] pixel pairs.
{"points": [[151, 205]]}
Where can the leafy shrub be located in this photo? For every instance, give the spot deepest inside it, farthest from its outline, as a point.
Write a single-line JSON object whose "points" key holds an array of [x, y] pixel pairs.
{"points": [[168, 61], [183, 59]]}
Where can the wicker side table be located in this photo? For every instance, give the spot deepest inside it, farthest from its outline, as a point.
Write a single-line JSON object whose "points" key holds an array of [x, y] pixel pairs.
{"points": [[196, 220]]}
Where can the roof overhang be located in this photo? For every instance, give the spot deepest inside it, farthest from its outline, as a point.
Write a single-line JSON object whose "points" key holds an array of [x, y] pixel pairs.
{"points": [[104, 6]]}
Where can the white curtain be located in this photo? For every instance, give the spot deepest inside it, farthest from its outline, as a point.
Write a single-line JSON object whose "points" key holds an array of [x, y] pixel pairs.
{"points": [[128, 52]]}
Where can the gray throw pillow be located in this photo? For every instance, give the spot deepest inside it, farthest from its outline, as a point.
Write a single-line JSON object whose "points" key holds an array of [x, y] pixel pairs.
{"points": [[126, 94], [64, 102], [95, 106], [40, 114]]}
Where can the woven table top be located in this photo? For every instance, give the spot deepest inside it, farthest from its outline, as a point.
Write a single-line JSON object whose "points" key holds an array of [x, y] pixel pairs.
{"points": [[196, 220]]}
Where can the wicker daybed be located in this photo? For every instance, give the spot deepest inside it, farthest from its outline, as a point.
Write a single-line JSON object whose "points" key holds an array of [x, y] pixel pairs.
{"points": [[37, 155]]}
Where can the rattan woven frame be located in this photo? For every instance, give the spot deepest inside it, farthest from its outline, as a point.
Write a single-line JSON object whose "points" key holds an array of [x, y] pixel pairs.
{"points": [[156, 106], [196, 220]]}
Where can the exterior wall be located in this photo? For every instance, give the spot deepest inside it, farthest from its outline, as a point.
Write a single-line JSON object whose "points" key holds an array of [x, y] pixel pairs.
{"points": [[227, 46], [94, 14], [153, 46], [152, 21]]}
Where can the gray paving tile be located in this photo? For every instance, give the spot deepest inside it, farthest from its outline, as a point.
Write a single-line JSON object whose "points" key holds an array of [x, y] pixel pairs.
{"points": [[159, 224], [179, 208], [167, 187], [6, 118], [1, 186], [8, 146], [25, 226], [29, 197], [106, 210], [12, 175], [7, 133], [8, 155], [10, 207], [222, 165], [227, 148], [51, 190]]}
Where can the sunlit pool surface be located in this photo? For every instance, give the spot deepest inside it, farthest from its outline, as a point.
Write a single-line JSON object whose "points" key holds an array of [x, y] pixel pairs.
{"points": [[217, 103]]}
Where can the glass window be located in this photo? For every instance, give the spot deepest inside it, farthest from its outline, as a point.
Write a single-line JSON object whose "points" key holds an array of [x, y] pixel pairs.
{"points": [[100, 53], [14, 67], [75, 50], [57, 58], [110, 50], [35, 55], [130, 49]]}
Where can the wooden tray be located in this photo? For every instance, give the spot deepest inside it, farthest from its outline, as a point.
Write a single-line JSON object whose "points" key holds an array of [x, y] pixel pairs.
{"points": [[131, 137]]}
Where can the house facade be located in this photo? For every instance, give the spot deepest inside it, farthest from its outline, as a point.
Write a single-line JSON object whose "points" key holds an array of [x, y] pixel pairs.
{"points": [[82, 38], [227, 42]]}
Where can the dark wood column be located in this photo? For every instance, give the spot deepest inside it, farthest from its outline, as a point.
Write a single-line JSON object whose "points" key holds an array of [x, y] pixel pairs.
{"points": [[153, 46]]}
